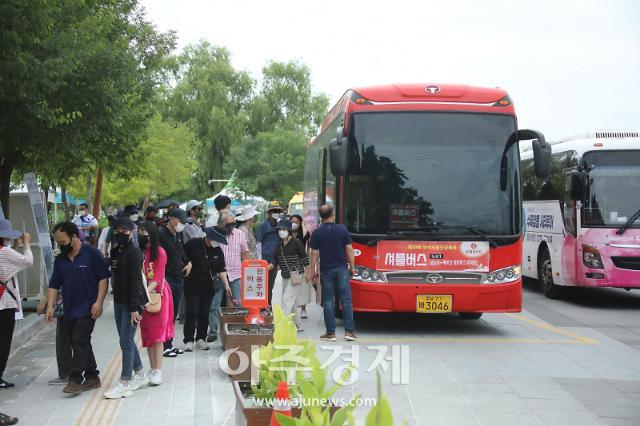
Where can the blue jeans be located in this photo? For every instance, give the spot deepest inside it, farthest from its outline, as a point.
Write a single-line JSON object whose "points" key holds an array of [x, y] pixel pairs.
{"points": [[236, 291], [214, 312], [130, 356], [336, 280]]}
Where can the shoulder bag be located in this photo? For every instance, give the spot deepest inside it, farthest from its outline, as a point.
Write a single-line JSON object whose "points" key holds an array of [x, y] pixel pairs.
{"points": [[155, 298], [295, 276], [217, 281]]}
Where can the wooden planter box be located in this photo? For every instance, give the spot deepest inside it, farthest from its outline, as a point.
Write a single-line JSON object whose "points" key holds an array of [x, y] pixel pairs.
{"points": [[240, 336], [249, 415], [236, 316]]}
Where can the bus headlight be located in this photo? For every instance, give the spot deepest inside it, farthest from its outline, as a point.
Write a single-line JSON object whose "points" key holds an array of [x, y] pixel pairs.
{"points": [[591, 257], [361, 273], [501, 276]]}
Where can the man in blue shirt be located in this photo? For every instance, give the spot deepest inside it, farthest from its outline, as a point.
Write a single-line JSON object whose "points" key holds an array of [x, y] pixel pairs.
{"points": [[269, 241], [82, 272], [333, 241]]}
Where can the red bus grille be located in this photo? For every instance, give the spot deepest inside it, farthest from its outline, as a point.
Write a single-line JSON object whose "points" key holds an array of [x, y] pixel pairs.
{"points": [[426, 277], [632, 263]]}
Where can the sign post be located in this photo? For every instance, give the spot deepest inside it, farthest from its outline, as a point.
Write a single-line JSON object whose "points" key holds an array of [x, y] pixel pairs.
{"points": [[255, 289]]}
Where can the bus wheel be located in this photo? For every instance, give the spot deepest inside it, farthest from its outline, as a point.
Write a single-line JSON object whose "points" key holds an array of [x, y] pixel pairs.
{"points": [[470, 315], [545, 276]]}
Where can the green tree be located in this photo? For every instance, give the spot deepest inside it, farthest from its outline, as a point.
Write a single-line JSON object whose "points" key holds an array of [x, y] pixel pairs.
{"points": [[210, 96], [271, 164], [76, 83]]}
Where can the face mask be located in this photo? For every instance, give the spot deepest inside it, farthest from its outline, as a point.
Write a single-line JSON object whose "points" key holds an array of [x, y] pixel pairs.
{"points": [[215, 244], [295, 226], [283, 233], [6, 243], [65, 249], [229, 227], [133, 217], [143, 240], [275, 216], [180, 227], [83, 213], [122, 239]]}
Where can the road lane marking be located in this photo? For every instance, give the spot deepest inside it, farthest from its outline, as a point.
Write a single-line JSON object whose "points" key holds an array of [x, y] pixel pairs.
{"points": [[549, 327]]}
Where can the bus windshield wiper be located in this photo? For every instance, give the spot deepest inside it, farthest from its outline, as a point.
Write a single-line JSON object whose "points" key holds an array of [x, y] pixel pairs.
{"points": [[628, 223], [474, 230], [394, 236], [420, 231]]}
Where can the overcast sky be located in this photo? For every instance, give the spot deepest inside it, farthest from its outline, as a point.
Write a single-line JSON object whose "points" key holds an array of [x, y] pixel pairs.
{"points": [[569, 66]]}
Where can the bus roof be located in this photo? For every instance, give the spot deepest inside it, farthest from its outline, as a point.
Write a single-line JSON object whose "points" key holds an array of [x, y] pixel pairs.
{"points": [[599, 140]]}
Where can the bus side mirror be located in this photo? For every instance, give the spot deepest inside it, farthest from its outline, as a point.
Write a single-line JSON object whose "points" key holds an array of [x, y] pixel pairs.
{"points": [[577, 185], [541, 152], [338, 154]]}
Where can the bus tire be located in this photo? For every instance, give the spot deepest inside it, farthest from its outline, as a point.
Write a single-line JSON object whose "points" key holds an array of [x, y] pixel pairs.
{"points": [[470, 315], [545, 275]]}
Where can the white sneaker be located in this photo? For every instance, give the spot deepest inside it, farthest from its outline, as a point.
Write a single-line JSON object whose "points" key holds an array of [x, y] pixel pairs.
{"points": [[188, 347], [119, 390], [156, 378], [137, 381], [202, 345]]}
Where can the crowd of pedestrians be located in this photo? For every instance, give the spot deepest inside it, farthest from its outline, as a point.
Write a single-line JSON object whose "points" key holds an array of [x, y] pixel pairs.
{"points": [[153, 266]]}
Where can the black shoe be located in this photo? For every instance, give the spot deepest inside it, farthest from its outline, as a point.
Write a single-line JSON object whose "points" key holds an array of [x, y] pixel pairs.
{"points": [[169, 353], [5, 385], [212, 338], [177, 351]]}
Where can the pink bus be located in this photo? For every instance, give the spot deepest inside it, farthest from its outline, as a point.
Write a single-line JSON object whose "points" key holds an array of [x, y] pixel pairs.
{"points": [[582, 224]]}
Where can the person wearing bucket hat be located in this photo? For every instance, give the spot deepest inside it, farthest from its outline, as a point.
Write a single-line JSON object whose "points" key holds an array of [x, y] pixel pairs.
{"points": [[291, 256], [208, 277], [11, 263], [178, 266], [193, 229], [268, 240], [245, 221]]}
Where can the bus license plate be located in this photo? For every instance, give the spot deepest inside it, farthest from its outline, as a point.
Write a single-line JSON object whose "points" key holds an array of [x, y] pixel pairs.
{"points": [[427, 303]]}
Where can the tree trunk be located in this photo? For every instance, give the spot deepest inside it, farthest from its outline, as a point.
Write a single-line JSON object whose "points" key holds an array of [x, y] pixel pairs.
{"points": [[65, 204], [97, 195], [5, 181], [87, 198]]}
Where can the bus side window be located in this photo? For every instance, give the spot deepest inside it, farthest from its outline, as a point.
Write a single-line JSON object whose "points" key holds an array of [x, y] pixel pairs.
{"points": [[322, 176], [567, 205]]}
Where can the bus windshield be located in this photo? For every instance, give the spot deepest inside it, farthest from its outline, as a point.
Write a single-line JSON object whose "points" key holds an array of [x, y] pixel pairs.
{"points": [[614, 184], [412, 171]]}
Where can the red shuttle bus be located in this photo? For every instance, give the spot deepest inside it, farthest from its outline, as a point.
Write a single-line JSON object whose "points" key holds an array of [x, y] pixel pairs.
{"points": [[427, 179]]}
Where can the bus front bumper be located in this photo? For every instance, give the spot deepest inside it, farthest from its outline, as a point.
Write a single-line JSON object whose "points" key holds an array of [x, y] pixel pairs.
{"points": [[389, 297]]}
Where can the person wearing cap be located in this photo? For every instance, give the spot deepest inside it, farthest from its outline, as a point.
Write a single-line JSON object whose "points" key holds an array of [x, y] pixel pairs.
{"points": [[268, 241], [208, 278], [82, 272], [193, 229], [133, 214], [11, 263], [129, 299], [178, 265], [290, 256], [87, 223], [151, 214], [245, 221]]}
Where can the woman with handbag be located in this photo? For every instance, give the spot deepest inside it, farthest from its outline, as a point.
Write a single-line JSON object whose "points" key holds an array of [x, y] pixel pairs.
{"points": [[156, 326], [129, 299], [291, 257]]}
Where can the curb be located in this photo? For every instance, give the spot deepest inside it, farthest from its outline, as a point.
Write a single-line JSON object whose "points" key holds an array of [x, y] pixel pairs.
{"points": [[27, 328]]}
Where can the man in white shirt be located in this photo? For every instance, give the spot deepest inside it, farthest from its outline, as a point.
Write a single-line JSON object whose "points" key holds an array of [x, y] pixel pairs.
{"points": [[86, 223]]}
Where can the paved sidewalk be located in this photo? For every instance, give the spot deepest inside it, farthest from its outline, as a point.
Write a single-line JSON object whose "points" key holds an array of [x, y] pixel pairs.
{"points": [[500, 370]]}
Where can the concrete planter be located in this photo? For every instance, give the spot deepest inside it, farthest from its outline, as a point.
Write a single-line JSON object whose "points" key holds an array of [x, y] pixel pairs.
{"points": [[243, 337], [236, 316]]}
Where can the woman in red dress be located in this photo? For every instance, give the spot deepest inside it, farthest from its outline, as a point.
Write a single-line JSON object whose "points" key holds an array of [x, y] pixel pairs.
{"points": [[155, 328]]}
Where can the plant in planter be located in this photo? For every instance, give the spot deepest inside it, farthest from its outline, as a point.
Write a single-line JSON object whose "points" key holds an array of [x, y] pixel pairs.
{"points": [[285, 359], [240, 340]]}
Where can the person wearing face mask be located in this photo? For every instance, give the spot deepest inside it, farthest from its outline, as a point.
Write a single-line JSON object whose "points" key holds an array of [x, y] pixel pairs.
{"points": [[129, 299], [133, 214], [208, 278], [155, 328], [82, 273], [291, 256], [11, 263], [151, 214], [86, 223], [268, 240], [245, 221], [178, 265], [193, 229], [299, 231]]}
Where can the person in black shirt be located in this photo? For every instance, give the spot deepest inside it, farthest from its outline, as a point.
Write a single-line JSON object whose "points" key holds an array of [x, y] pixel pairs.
{"points": [[207, 259], [129, 299], [178, 265]]}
